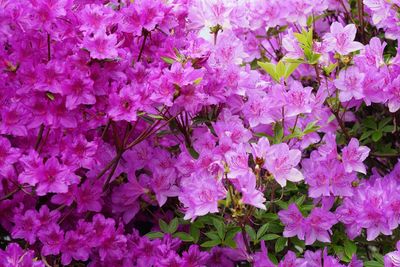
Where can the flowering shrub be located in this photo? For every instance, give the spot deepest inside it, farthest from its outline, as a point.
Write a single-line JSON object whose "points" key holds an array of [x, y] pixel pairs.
{"points": [[199, 133]]}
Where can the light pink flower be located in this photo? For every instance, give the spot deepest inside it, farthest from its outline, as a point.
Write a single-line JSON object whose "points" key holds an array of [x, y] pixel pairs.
{"points": [[353, 156], [281, 162], [342, 38]]}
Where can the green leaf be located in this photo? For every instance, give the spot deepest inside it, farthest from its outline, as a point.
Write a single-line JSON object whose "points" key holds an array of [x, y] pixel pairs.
{"points": [[263, 229], [349, 248], [173, 226], [220, 228], [231, 233], [378, 257], [269, 237], [275, 228], [269, 68], [168, 60], [273, 258], [198, 81], [282, 204], [311, 127], [211, 243], [230, 243], [388, 129], [290, 68], [370, 123], [365, 135], [184, 236], [376, 136], [278, 133], [163, 226], [280, 244], [193, 153], [154, 235], [270, 216], [50, 96], [280, 69], [328, 70], [155, 116], [195, 233], [299, 201], [384, 122], [373, 264], [250, 231], [213, 235]]}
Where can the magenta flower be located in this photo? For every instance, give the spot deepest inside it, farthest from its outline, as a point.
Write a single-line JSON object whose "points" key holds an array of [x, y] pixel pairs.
{"points": [[101, 45], [342, 38], [8, 156], [52, 238], [318, 225], [353, 156], [200, 195], [14, 255], [394, 95], [125, 199], [88, 196], [350, 84], [78, 90], [53, 177], [246, 184], [74, 247], [281, 162], [392, 259], [294, 222], [26, 226]]}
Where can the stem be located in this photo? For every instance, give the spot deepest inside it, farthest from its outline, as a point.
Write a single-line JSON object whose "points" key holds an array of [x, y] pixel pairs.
{"points": [[10, 194], [295, 123], [105, 129], [317, 73], [48, 47], [384, 155], [360, 10], [39, 137], [341, 124], [246, 242], [145, 34], [348, 14]]}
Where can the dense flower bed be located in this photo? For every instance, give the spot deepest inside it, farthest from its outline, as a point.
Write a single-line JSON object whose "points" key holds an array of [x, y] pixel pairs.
{"points": [[199, 133]]}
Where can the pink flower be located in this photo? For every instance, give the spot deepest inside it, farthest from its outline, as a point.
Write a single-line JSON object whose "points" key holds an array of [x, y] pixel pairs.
{"points": [[318, 225], [281, 162], [200, 195], [350, 84], [353, 156], [163, 185], [392, 259], [88, 197], [8, 156], [74, 247], [238, 162], [125, 199], [14, 255], [78, 90], [51, 177], [246, 184], [52, 238], [298, 100], [342, 38], [293, 221], [394, 95], [259, 150], [123, 106], [26, 226], [101, 45]]}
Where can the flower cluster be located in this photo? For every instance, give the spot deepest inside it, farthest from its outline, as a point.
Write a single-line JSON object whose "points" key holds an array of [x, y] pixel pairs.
{"points": [[199, 132]]}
